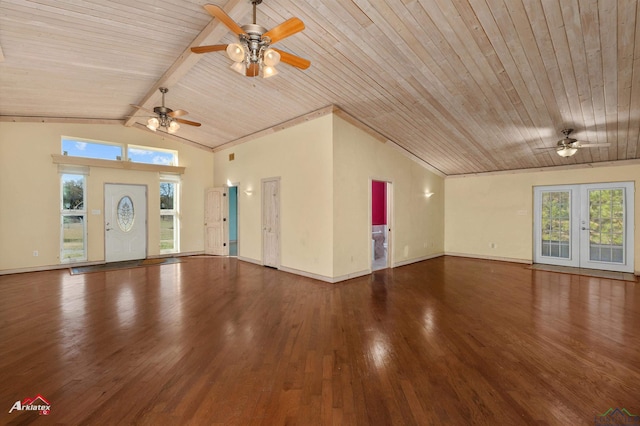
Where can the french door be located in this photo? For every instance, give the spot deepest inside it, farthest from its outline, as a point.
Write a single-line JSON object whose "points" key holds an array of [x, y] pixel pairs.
{"points": [[585, 226]]}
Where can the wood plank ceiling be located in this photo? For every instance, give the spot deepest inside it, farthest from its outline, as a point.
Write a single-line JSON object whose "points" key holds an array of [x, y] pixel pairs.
{"points": [[467, 86]]}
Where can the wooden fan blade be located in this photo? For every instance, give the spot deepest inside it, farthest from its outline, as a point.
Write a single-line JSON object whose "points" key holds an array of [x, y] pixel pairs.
{"points": [[286, 29], [207, 49], [177, 113], [188, 122], [294, 60], [143, 108], [217, 12], [591, 145], [253, 70]]}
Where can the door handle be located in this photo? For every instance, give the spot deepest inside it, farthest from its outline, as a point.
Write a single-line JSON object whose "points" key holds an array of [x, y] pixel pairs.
{"points": [[584, 229]]}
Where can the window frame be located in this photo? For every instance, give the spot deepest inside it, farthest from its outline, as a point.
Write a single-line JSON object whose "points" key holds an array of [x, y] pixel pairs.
{"points": [[173, 152], [123, 147], [175, 212], [73, 212]]}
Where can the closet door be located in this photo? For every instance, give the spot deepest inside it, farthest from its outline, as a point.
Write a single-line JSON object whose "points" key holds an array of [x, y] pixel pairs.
{"points": [[271, 223]]}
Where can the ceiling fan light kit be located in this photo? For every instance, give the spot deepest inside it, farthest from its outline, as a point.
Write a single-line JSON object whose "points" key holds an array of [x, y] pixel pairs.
{"points": [[567, 146], [566, 151], [166, 117], [252, 54]]}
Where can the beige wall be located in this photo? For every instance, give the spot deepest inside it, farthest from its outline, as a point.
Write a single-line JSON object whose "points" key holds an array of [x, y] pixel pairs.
{"points": [[301, 157], [417, 221], [30, 190], [498, 209], [325, 166]]}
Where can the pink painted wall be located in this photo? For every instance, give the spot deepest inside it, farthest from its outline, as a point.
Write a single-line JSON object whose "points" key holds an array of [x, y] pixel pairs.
{"points": [[378, 203]]}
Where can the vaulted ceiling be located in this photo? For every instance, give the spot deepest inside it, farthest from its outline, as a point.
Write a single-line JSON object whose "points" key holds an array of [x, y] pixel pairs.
{"points": [[467, 86]]}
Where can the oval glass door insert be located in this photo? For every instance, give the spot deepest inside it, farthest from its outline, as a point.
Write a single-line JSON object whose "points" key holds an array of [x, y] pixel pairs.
{"points": [[126, 213]]}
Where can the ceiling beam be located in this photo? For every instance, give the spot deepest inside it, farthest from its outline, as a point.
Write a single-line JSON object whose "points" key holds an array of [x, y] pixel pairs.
{"points": [[211, 34]]}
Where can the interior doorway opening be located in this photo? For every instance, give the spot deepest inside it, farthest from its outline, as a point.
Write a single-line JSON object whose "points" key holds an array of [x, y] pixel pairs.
{"points": [[233, 221], [380, 224]]}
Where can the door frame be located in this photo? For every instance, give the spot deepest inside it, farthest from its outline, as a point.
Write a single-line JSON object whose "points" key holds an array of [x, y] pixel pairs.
{"points": [[228, 221], [390, 219], [146, 216], [579, 239]]}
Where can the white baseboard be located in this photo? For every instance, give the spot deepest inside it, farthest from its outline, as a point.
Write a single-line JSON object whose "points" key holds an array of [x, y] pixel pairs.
{"points": [[92, 263], [250, 260], [416, 260], [481, 256], [324, 278]]}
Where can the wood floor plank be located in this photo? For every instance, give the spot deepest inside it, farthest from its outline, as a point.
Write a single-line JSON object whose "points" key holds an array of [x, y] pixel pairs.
{"points": [[219, 341]]}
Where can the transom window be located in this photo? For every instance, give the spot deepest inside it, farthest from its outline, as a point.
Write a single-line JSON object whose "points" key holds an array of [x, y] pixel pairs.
{"points": [[91, 149], [144, 154], [74, 147]]}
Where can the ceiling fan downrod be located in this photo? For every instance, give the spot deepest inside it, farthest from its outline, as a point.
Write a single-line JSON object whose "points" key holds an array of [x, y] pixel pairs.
{"points": [[255, 3]]}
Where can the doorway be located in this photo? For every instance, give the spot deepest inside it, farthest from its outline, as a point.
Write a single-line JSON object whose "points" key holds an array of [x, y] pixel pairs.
{"points": [[233, 220], [125, 220], [380, 224], [585, 226]]}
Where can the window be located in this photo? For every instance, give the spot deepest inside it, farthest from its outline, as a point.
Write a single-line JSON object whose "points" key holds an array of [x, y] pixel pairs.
{"points": [[91, 149], [73, 218], [169, 223], [144, 154]]}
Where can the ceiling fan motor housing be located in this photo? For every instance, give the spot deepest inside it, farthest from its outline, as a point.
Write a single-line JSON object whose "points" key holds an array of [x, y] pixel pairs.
{"points": [[254, 41]]}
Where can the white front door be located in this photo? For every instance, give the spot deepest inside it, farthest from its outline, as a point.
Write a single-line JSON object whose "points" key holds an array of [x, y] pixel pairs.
{"points": [[271, 223], [585, 226], [125, 220], [215, 241]]}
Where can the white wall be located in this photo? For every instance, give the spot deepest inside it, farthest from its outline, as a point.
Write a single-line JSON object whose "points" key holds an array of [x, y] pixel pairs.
{"points": [[30, 190], [301, 156], [498, 208], [417, 221]]}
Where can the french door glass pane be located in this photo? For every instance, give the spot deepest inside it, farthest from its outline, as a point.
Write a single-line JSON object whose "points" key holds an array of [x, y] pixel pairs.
{"points": [[556, 224], [606, 225]]}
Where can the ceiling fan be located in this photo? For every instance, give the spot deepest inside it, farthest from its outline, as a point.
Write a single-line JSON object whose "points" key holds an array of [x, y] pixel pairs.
{"points": [[166, 117], [568, 146], [253, 54]]}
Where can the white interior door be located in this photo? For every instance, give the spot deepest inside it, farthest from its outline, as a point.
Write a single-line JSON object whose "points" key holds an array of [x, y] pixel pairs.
{"points": [[585, 226], [125, 217], [271, 223], [214, 220]]}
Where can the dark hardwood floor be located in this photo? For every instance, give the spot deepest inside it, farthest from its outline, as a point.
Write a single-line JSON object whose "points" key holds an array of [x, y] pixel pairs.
{"points": [[218, 341]]}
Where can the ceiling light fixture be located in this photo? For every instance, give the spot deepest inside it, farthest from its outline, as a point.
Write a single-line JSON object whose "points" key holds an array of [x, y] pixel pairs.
{"points": [[567, 146], [566, 151], [252, 55]]}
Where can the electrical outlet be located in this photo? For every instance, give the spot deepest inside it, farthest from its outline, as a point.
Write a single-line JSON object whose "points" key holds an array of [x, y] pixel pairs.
{"points": [[35, 253], [493, 245]]}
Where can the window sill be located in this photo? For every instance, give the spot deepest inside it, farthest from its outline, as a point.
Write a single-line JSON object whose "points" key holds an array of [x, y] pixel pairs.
{"points": [[115, 164]]}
